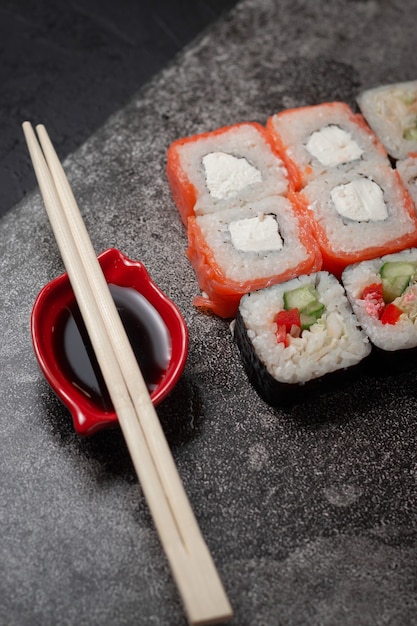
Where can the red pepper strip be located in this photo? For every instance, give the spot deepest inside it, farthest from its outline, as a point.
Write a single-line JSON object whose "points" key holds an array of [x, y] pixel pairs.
{"points": [[285, 320], [289, 318], [281, 335], [391, 314]]}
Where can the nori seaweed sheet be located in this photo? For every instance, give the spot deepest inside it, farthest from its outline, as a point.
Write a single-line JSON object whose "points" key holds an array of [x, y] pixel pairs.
{"points": [[286, 395]]}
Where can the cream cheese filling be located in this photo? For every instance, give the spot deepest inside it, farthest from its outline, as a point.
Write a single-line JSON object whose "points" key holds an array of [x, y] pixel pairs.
{"points": [[227, 174], [256, 234], [332, 146], [361, 200]]}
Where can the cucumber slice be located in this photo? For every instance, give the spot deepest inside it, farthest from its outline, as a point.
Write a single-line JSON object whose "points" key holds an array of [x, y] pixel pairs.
{"points": [[308, 320], [410, 134], [301, 298], [392, 269], [393, 287], [396, 276], [314, 308], [306, 300]]}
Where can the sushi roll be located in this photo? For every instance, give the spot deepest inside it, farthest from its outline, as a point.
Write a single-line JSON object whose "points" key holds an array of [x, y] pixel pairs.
{"points": [[359, 216], [383, 295], [407, 169], [391, 111], [227, 167], [245, 248], [323, 138], [296, 338]]}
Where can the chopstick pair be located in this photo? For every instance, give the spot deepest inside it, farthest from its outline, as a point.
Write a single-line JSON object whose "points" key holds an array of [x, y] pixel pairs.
{"points": [[197, 579]]}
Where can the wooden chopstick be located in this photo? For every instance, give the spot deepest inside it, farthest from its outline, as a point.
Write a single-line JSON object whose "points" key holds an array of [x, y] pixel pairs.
{"points": [[191, 564]]}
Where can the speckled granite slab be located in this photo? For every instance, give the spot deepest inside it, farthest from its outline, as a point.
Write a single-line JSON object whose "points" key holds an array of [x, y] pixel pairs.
{"points": [[310, 516]]}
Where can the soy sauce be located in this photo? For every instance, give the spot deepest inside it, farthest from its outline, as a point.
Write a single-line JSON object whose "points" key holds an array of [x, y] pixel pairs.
{"points": [[147, 333]]}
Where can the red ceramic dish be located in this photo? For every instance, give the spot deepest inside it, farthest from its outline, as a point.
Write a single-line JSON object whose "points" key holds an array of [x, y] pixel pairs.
{"points": [[46, 321]]}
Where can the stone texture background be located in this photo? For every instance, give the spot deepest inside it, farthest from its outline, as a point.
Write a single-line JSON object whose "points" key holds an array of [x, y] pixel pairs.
{"points": [[310, 516], [72, 64]]}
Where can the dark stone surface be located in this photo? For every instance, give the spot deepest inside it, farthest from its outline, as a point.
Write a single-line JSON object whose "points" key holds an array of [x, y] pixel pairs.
{"points": [[310, 516], [69, 65]]}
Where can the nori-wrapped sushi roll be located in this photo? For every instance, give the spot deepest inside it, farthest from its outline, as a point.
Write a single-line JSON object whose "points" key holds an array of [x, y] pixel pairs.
{"points": [[383, 295], [391, 111], [407, 170], [298, 337]]}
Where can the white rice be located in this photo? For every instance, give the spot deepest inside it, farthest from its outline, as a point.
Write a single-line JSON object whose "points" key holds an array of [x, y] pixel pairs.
{"points": [[335, 342], [347, 235], [388, 337], [240, 266], [407, 169], [391, 111], [250, 152], [297, 128]]}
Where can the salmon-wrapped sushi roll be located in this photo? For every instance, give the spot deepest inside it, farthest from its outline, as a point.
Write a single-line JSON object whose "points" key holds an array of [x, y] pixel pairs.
{"points": [[322, 138], [298, 337], [245, 248], [391, 111], [227, 167], [360, 216]]}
